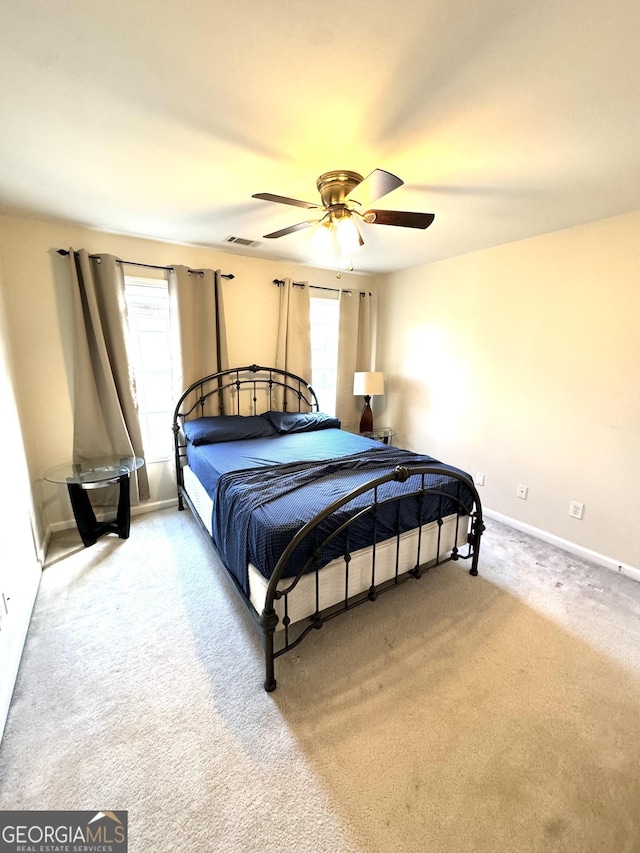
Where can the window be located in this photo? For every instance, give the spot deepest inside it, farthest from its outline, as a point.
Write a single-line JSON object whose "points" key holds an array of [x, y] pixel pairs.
{"points": [[325, 319], [150, 347]]}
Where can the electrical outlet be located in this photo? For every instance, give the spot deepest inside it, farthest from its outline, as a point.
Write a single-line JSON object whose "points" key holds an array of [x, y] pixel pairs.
{"points": [[522, 492], [576, 509], [479, 479]]}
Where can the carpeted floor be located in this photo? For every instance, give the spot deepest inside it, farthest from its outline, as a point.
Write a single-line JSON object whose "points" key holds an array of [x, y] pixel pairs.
{"points": [[496, 714]]}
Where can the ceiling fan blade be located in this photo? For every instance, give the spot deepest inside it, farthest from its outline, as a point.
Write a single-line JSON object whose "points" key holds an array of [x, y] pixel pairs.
{"points": [[284, 200], [399, 217], [290, 229], [374, 186]]}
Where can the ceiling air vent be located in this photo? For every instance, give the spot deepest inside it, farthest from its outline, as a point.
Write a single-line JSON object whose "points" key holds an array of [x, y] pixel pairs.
{"points": [[242, 241]]}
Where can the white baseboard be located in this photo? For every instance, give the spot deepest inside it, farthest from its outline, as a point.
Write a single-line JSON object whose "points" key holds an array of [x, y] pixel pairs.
{"points": [[152, 506], [566, 545]]}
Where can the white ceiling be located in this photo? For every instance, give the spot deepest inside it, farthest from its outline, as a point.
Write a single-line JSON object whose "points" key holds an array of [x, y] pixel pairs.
{"points": [[160, 118]]}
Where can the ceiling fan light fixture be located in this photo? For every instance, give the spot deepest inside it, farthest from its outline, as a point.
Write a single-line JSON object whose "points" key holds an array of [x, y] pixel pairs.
{"points": [[347, 234], [322, 239]]}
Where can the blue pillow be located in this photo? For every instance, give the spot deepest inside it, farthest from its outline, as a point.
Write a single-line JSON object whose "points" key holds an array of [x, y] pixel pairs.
{"points": [[287, 422], [227, 428]]}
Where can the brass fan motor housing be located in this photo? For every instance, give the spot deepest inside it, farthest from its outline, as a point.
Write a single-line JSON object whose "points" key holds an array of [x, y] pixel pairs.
{"points": [[335, 186]]}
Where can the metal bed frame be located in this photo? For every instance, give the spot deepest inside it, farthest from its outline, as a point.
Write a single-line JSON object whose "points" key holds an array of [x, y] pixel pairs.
{"points": [[240, 391]]}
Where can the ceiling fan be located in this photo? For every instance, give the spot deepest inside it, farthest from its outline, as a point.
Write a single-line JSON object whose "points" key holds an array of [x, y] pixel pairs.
{"points": [[345, 198]]}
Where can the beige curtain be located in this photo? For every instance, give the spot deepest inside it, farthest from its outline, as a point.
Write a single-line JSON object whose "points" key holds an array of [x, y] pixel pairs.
{"points": [[193, 295], [106, 419], [293, 348], [354, 353]]}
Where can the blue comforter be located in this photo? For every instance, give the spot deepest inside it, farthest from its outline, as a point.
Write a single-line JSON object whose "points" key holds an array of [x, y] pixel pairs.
{"points": [[259, 509]]}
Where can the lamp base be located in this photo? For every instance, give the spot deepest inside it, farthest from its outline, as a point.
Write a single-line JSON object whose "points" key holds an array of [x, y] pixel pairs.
{"points": [[366, 419]]}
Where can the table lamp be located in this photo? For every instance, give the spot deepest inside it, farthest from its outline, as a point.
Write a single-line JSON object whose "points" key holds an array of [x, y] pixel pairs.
{"points": [[367, 385]]}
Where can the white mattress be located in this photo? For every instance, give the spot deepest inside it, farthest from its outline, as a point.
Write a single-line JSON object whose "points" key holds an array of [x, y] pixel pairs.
{"points": [[302, 600]]}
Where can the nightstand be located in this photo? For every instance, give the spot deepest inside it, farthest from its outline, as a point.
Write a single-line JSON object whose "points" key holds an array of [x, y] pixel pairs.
{"points": [[383, 434], [95, 474]]}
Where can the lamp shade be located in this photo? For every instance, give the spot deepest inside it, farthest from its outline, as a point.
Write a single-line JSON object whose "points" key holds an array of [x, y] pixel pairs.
{"points": [[368, 384]]}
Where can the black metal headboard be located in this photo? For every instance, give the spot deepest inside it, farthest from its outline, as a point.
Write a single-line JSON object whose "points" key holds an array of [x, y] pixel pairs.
{"points": [[248, 390]]}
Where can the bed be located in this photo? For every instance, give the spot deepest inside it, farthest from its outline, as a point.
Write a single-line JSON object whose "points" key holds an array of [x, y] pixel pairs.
{"points": [[310, 520]]}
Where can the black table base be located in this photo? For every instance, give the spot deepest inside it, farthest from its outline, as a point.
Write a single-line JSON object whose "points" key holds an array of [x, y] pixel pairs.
{"points": [[89, 527]]}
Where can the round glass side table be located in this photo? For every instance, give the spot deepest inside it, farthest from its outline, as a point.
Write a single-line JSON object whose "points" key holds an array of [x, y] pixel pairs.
{"points": [[79, 477], [383, 434]]}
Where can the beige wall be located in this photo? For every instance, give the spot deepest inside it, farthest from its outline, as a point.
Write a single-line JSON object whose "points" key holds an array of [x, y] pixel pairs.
{"points": [[523, 362], [37, 296]]}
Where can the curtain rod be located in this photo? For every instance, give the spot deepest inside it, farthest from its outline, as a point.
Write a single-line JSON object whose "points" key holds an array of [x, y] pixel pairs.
{"points": [[280, 281], [148, 266]]}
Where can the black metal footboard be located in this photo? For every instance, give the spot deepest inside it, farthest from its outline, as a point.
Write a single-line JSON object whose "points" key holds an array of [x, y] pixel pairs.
{"points": [[465, 521]]}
